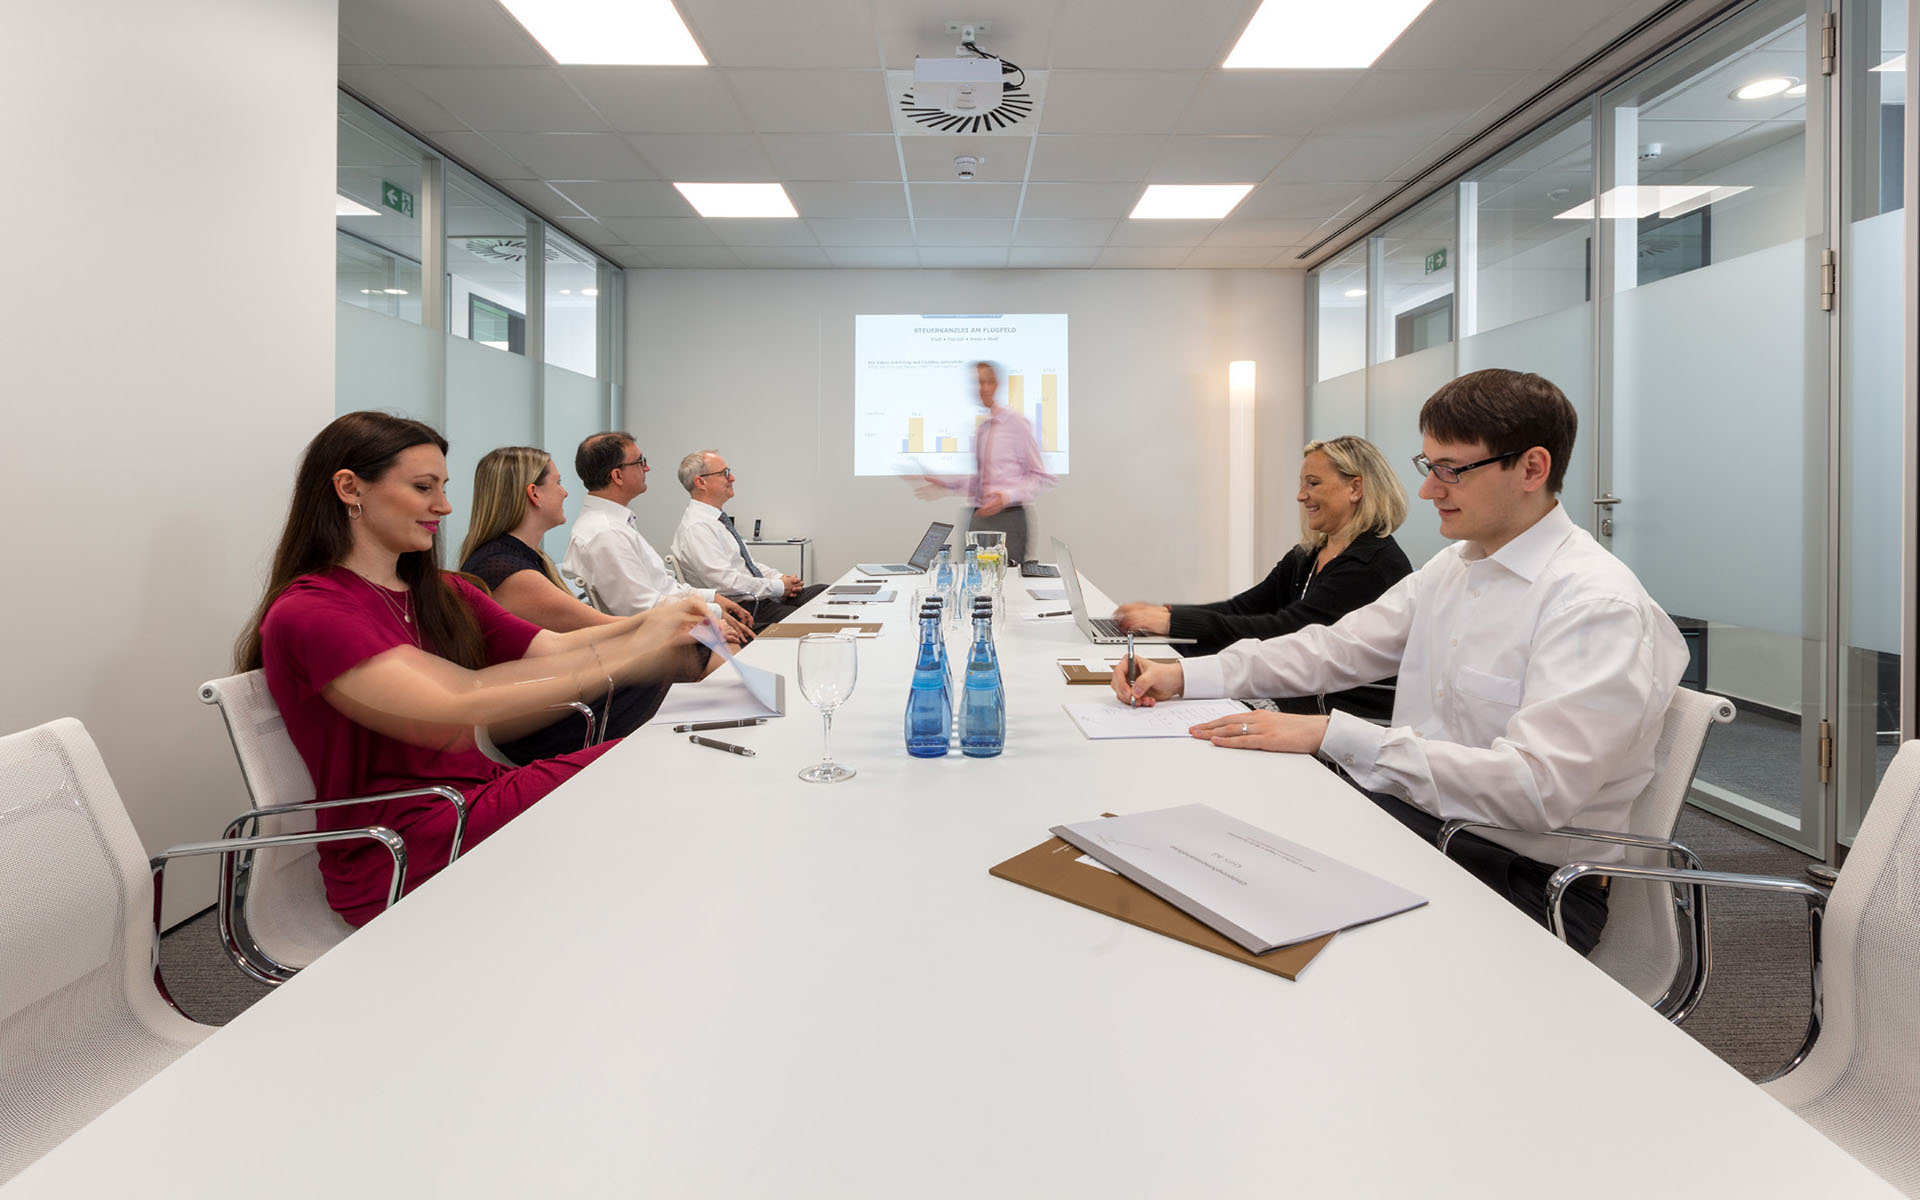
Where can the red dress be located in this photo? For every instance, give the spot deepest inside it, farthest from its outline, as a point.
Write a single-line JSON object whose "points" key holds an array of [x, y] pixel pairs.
{"points": [[323, 626]]}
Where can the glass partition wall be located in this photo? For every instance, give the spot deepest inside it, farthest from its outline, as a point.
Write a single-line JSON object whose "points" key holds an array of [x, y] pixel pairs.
{"points": [[464, 310], [1670, 253]]}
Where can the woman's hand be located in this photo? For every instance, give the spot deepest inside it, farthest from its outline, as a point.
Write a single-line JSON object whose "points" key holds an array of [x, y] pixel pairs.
{"points": [[1289, 733], [1145, 618]]}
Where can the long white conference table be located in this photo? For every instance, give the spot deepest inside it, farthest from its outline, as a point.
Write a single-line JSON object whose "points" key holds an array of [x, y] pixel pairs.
{"points": [[688, 973]]}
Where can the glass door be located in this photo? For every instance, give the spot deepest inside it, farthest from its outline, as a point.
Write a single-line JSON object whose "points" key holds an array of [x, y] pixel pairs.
{"points": [[1712, 416]]}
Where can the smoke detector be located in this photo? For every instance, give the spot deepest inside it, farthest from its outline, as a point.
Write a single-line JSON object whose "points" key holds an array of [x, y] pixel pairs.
{"points": [[966, 166]]}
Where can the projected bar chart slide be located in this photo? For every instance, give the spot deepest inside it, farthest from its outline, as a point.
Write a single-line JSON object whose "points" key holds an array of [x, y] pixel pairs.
{"points": [[916, 397]]}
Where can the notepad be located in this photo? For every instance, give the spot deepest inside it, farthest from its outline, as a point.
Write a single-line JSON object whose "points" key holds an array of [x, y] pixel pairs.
{"points": [[1169, 718]]}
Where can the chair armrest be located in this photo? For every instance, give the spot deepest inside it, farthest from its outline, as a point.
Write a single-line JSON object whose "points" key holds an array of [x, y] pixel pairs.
{"points": [[594, 731], [1573, 833], [451, 796], [228, 846], [1812, 893]]}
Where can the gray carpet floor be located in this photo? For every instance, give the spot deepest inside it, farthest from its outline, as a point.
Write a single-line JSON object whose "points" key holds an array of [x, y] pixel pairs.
{"points": [[1753, 1015]]}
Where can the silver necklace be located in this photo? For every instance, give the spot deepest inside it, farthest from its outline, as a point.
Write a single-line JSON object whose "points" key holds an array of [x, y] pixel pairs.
{"points": [[403, 611]]}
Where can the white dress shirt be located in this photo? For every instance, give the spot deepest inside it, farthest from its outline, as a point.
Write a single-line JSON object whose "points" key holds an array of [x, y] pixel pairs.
{"points": [[605, 552], [710, 557], [1533, 685]]}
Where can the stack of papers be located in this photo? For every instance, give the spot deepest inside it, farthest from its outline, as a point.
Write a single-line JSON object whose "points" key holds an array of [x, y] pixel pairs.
{"points": [[1167, 718]]}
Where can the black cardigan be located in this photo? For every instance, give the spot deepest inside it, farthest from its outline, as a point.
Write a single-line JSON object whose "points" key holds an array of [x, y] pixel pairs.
{"points": [[1357, 577]]}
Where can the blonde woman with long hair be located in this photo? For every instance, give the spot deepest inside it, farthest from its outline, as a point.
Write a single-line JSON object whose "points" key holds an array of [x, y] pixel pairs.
{"points": [[1350, 504]]}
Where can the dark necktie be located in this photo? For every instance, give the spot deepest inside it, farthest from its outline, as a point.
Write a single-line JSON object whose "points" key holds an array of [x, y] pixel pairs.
{"points": [[752, 568]]}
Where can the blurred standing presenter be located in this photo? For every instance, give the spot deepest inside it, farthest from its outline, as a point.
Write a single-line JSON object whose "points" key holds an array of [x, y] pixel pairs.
{"points": [[1008, 471]]}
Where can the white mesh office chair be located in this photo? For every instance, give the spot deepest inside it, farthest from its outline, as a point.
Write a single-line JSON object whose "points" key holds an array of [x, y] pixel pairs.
{"points": [[1656, 941], [1856, 1077], [273, 912], [84, 1015], [673, 567]]}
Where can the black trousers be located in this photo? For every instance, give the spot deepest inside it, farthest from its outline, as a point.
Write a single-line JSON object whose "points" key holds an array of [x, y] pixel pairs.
{"points": [[632, 706], [1012, 521], [1522, 880], [768, 610]]}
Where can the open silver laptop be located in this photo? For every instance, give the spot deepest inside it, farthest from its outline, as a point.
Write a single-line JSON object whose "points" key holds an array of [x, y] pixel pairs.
{"points": [[1102, 631], [930, 542]]}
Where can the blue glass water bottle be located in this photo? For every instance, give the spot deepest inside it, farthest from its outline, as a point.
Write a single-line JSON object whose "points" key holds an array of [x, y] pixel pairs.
{"points": [[983, 701], [929, 712]]}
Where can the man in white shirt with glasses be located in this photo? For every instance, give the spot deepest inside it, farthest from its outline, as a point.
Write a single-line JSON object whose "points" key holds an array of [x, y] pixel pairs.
{"points": [[1535, 671], [711, 552]]}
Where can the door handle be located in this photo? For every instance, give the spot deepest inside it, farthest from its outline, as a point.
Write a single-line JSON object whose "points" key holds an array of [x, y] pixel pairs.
{"points": [[1606, 499]]}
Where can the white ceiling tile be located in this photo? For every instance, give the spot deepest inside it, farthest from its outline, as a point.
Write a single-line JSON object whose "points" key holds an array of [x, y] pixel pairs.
{"points": [[1269, 102], [1261, 233], [849, 199], [833, 157], [1053, 257], [538, 195], [705, 157], [873, 256], [1143, 34], [1001, 159], [380, 87], [1063, 233], [1404, 103], [762, 231], [691, 257], [440, 33], [963, 233], [782, 257], [1361, 159], [1298, 200], [869, 232], [961, 257], [1093, 158], [1228, 257], [588, 231], [1142, 256], [1063, 200], [642, 199], [629, 257], [660, 99], [782, 35], [482, 156], [812, 101], [1191, 159], [506, 99], [1478, 34], [1116, 101], [663, 231], [352, 54], [1021, 30], [974, 200], [575, 155], [1161, 233]]}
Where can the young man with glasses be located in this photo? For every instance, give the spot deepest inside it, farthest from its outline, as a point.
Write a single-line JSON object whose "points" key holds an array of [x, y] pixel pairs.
{"points": [[1535, 671], [606, 555], [712, 553]]}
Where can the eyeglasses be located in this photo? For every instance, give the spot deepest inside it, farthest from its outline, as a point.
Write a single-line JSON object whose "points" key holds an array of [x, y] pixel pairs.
{"points": [[640, 462], [1452, 474], [727, 471]]}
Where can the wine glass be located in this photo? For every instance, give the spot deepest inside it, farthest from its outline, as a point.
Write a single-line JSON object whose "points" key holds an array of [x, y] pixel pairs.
{"points": [[827, 669]]}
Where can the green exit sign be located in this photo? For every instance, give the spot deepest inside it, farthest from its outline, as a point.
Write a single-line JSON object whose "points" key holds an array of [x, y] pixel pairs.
{"points": [[1437, 261], [400, 199]]}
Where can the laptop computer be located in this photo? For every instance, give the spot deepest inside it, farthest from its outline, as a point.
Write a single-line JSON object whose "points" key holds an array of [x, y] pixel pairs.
{"points": [[930, 542], [1102, 631]]}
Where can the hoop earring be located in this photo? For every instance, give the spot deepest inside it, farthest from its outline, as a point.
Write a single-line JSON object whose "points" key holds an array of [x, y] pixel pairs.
{"points": [[353, 512]]}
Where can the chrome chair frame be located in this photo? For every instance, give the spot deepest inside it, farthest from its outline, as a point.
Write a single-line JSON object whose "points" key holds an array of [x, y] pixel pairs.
{"points": [[596, 733]]}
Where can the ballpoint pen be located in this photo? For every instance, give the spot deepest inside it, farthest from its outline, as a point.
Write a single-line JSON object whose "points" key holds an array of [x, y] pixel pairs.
{"points": [[696, 726], [729, 747], [1065, 612], [1132, 667]]}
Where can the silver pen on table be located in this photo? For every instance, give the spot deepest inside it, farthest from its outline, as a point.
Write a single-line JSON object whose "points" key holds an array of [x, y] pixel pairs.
{"points": [[700, 725], [1131, 668], [729, 747]]}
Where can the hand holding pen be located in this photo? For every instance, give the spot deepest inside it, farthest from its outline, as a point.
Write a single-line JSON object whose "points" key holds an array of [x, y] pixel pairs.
{"points": [[1133, 669]]}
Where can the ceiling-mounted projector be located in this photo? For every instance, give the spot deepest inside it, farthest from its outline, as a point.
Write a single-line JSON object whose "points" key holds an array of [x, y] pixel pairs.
{"points": [[957, 84]]}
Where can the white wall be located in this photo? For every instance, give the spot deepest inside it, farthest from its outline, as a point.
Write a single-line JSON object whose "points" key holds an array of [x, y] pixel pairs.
{"points": [[760, 365], [178, 155]]}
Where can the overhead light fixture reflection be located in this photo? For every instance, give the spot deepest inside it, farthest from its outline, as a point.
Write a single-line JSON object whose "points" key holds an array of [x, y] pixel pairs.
{"points": [[589, 291], [1666, 200], [1796, 92], [394, 291], [1354, 293], [1764, 89], [1188, 201], [346, 206], [1314, 35], [1897, 63], [738, 199], [634, 33]]}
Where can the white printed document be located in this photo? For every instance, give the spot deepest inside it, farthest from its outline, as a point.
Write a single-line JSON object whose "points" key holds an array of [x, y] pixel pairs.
{"points": [[1110, 718], [1262, 891], [746, 691]]}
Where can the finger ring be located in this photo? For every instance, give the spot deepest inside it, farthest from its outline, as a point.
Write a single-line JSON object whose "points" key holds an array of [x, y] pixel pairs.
{"points": [[1243, 729]]}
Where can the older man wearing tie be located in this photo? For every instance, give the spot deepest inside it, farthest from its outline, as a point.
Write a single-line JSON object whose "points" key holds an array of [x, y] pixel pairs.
{"points": [[1008, 471], [711, 552]]}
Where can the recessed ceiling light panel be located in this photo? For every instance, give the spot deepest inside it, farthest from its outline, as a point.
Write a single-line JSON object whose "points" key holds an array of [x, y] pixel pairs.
{"points": [[630, 33], [1666, 200], [346, 206], [1897, 63], [1315, 35], [738, 199], [1188, 201]]}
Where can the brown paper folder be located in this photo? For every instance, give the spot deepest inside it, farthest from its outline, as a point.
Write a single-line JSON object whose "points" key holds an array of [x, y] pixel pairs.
{"points": [[1076, 671], [794, 629], [1051, 868]]}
